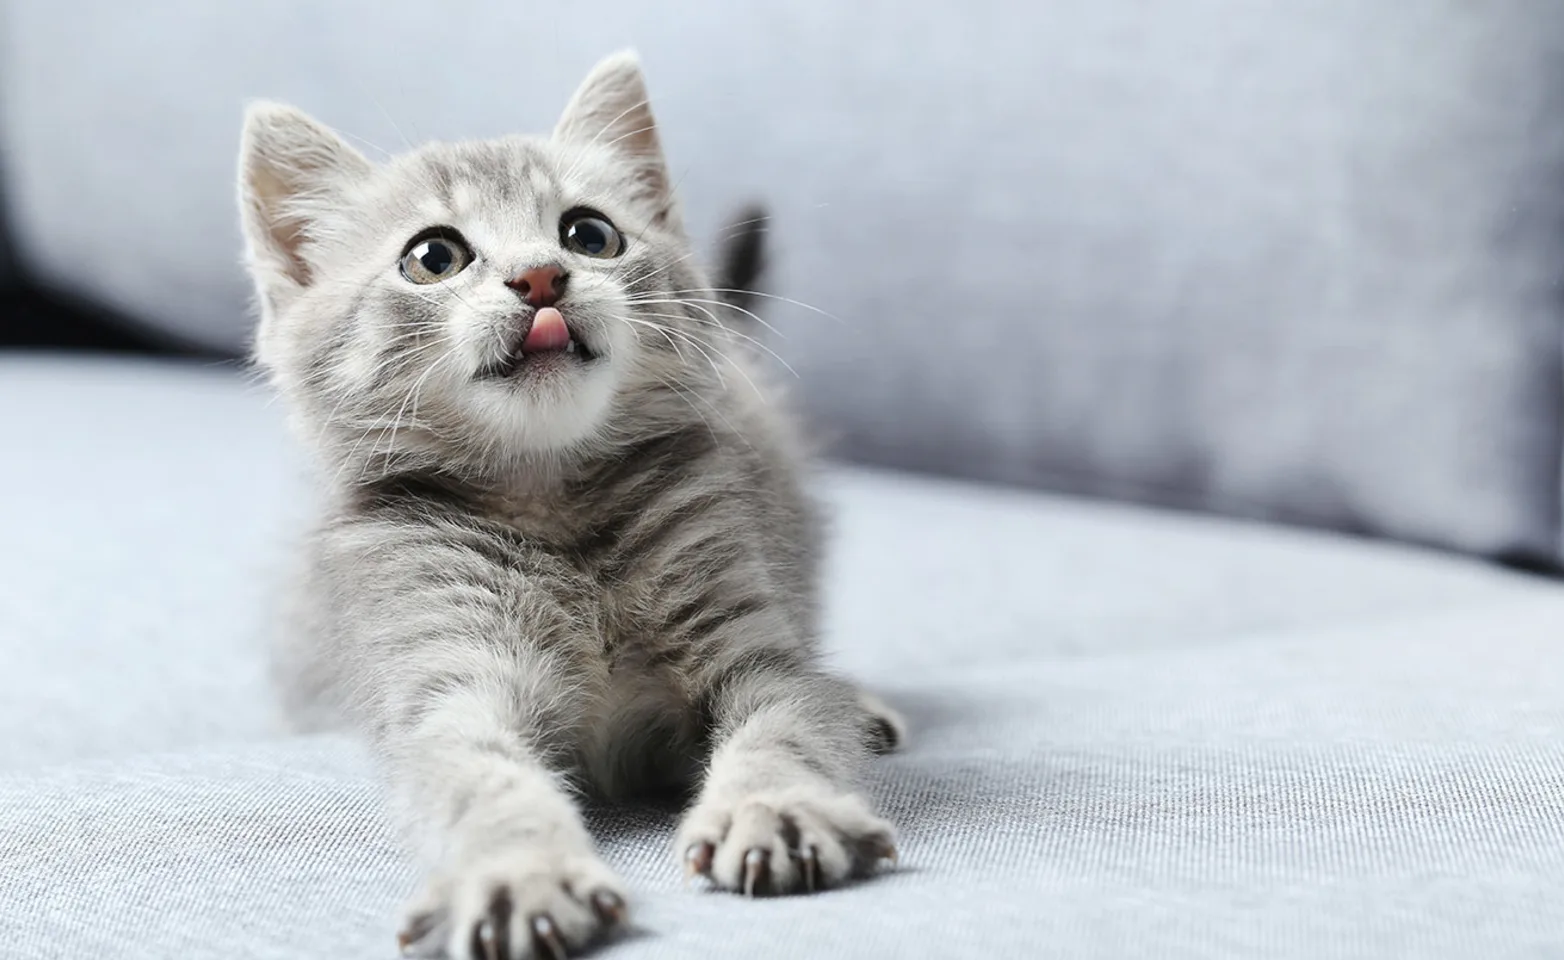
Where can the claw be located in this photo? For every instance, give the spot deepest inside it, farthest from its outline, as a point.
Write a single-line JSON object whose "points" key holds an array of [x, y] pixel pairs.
{"points": [[886, 850], [609, 906], [484, 946], [546, 936], [754, 865], [697, 860], [811, 868], [409, 937], [494, 931]]}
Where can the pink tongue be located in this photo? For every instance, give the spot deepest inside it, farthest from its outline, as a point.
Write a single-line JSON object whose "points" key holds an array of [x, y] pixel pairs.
{"points": [[548, 332]]}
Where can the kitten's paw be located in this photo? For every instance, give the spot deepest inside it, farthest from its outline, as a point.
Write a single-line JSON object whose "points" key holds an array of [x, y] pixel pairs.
{"points": [[796, 840], [523, 903]]}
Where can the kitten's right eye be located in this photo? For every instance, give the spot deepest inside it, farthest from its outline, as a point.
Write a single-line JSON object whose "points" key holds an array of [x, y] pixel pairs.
{"points": [[435, 255]]}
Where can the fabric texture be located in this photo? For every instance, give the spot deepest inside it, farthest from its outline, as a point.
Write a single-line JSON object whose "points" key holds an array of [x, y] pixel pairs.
{"points": [[1298, 262], [1133, 733]]}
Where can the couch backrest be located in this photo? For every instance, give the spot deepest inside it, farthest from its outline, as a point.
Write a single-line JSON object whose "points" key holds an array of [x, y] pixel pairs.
{"points": [[7, 264], [1295, 261]]}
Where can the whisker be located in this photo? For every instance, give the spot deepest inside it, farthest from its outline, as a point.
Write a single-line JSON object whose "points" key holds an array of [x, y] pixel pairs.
{"points": [[389, 119], [426, 299], [662, 330], [384, 153], [693, 408], [632, 133], [374, 371], [690, 397], [717, 303], [745, 223], [446, 285], [379, 368], [571, 170], [769, 296], [687, 338], [738, 367], [377, 425], [418, 389], [728, 331], [630, 284]]}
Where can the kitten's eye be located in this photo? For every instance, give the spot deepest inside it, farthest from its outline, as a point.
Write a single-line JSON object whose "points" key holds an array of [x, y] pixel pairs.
{"points": [[435, 256], [589, 233]]}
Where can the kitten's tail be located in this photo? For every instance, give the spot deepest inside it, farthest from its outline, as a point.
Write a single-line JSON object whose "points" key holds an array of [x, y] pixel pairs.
{"points": [[741, 264]]}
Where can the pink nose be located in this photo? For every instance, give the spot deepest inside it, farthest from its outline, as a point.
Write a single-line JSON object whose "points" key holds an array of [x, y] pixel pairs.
{"points": [[539, 286]]}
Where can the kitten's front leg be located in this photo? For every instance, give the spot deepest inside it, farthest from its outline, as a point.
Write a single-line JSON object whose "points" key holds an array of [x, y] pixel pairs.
{"points": [[779, 811], [469, 676], [517, 875]]}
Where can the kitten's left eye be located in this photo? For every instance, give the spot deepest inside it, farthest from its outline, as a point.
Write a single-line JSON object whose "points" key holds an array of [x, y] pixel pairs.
{"points": [[589, 233], [435, 255]]}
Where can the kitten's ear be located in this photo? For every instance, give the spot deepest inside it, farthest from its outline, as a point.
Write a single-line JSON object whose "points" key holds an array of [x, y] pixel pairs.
{"points": [[611, 108], [291, 170]]}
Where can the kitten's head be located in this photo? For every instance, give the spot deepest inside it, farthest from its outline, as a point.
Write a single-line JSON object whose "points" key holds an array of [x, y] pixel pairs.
{"points": [[475, 303]]}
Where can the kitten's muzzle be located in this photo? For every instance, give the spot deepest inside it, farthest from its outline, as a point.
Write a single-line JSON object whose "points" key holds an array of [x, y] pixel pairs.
{"points": [[539, 333]]}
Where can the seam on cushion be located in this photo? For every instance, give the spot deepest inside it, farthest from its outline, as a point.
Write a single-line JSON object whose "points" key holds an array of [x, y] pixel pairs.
{"points": [[1206, 503]]}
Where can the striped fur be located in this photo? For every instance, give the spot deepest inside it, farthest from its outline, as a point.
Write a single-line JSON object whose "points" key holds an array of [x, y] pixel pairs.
{"points": [[601, 578]]}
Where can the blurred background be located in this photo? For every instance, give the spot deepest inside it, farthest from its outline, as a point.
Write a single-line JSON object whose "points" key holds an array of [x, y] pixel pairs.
{"points": [[1299, 263], [1295, 261]]}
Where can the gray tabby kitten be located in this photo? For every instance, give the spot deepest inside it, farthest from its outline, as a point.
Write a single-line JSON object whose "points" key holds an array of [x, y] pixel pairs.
{"points": [[566, 546]]}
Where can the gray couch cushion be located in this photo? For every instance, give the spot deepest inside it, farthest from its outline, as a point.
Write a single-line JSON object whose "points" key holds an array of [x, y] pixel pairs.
{"points": [[146, 511], [1134, 733], [1296, 262], [1306, 796]]}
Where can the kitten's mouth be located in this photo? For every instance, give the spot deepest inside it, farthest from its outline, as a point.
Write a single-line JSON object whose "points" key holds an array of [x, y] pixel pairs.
{"points": [[547, 343]]}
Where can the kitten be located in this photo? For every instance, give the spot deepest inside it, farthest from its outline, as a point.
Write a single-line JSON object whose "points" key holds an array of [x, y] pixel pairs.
{"points": [[566, 544]]}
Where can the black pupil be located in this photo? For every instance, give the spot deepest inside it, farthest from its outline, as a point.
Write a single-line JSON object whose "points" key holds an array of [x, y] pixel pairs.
{"points": [[589, 235], [436, 257]]}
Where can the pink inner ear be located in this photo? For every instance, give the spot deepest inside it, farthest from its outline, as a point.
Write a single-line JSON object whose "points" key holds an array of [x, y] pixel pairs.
{"points": [[284, 234]]}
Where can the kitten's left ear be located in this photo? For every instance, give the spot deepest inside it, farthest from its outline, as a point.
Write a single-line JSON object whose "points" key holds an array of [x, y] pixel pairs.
{"points": [[611, 108]]}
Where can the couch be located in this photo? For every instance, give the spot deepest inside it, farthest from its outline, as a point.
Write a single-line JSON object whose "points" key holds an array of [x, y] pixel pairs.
{"points": [[1191, 379]]}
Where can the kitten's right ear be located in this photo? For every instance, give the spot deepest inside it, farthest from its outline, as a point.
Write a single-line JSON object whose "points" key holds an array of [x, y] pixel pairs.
{"points": [[291, 170]]}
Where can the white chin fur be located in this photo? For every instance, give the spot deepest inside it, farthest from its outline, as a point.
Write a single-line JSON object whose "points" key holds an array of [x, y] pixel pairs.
{"points": [[555, 414]]}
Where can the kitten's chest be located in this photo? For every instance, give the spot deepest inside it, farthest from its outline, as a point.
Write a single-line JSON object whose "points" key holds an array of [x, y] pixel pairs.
{"points": [[584, 547], [547, 521], [637, 569]]}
